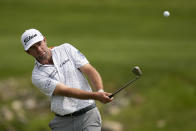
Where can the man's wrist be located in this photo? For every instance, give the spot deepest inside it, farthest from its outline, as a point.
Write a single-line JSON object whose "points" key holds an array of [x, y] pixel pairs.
{"points": [[100, 90]]}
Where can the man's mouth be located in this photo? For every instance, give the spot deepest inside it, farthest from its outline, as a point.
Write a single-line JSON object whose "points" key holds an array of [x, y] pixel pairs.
{"points": [[42, 53]]}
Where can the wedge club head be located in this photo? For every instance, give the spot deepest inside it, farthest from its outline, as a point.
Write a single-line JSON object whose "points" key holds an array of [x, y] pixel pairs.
{"points": [[136, 71]]}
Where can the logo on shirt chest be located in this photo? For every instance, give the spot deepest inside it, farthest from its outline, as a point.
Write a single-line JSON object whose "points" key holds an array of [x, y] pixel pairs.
{"points": [[63, 63]]}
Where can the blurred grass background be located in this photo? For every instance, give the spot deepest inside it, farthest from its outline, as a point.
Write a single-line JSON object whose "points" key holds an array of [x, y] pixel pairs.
{"points": [[115, 35]]}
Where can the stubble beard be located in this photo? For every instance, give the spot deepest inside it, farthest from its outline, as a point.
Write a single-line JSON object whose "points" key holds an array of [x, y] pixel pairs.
{"points": [[45, 59]]}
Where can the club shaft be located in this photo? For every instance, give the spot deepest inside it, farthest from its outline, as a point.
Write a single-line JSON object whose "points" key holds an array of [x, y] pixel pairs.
{"points": [[127, 84]]}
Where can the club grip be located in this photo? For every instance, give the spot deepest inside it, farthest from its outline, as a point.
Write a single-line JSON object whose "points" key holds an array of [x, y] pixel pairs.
{"points": [[111, 96]]}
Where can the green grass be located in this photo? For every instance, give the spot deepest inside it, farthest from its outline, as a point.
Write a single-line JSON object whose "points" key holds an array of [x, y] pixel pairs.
{"points": [[116, 35], [165, 100]]}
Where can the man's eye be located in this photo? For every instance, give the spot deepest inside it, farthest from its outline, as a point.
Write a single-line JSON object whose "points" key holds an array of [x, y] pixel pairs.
{"points": [[32, 47], [39, 43]]}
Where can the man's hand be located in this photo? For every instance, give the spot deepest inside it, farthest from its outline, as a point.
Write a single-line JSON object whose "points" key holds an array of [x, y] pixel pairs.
{"points": [[103, 97]]}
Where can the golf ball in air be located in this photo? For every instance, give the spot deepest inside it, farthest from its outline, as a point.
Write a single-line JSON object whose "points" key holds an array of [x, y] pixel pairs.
{"points": [[166, 13]]}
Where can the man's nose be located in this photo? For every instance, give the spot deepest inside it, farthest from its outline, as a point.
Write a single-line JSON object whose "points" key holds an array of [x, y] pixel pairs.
{"points": [[38, 48]]}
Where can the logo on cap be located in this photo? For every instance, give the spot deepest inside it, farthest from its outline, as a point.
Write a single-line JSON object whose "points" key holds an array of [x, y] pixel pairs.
{"points": [[29, 38]]}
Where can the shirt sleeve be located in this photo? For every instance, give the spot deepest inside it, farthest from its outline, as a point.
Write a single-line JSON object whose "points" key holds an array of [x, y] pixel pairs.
{"points": [[45, 84], [78, 58]]}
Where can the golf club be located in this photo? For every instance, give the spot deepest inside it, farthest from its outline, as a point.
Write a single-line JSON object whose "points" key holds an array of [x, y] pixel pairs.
{"points": [[136, 71]]}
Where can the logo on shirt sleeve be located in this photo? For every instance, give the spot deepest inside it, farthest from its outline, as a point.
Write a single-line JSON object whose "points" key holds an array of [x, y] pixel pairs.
{"points": [[48, 83], [54, 72], [80, 54]]}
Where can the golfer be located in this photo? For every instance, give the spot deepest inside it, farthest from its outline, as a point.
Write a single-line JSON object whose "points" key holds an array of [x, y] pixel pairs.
{"points": [[60, 74]]}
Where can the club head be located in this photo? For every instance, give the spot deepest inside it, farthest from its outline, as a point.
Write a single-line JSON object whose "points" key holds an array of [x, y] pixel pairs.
{"points": [[136, 70]]}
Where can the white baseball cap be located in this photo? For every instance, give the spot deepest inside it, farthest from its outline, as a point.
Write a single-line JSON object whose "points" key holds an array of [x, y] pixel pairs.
{"points": [[30, 37]]}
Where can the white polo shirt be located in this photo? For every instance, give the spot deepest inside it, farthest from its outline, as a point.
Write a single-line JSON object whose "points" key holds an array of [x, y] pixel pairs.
{"points": [[67, 61]]}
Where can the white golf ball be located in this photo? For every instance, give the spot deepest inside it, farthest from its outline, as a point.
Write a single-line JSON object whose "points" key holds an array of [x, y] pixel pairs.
{"points": [[166, 13], [136, 67]]}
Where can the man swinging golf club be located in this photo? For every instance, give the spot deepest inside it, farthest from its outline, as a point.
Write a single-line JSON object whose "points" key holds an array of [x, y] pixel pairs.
{"points": [[59, 74]]}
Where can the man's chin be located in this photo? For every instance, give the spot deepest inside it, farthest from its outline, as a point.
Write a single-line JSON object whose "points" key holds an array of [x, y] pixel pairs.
{"points": [[41, 58]]}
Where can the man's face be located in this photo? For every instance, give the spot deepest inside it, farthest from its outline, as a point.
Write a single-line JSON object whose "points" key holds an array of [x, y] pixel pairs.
{"points": [[39, 50]]}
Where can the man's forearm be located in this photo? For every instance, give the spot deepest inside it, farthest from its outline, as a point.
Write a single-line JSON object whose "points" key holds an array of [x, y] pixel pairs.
{"points": [[96, 80], [63, 90], [94, 76]]}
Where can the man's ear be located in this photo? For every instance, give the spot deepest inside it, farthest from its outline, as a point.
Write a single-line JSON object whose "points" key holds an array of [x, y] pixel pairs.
{"points": [[44, 39], [27, 52]]}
